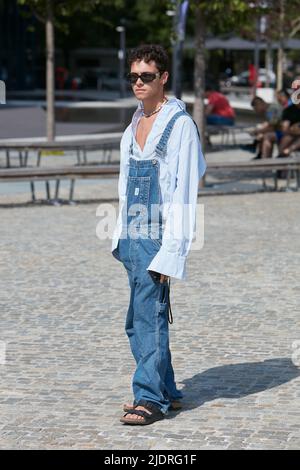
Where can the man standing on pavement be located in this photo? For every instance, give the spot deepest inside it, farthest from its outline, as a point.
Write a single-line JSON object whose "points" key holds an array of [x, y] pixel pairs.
{"points": [[161, 163]]}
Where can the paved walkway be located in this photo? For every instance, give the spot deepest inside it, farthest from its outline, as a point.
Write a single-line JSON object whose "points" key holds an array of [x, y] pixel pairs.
{"points": [[68, 366]]}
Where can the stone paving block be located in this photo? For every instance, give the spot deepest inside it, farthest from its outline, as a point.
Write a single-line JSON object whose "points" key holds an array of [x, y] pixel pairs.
{"points": [[68, 365]]}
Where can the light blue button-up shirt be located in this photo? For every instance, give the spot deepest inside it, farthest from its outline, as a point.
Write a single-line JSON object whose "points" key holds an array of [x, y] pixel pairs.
{"points": [[180, 172]]}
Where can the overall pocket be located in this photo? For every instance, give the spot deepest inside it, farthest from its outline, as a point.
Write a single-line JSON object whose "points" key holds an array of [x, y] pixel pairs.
{"points": [[138, 189]]}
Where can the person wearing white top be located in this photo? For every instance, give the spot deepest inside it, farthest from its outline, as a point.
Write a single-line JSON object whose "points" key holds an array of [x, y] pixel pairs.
{"points": [[161, 163]]}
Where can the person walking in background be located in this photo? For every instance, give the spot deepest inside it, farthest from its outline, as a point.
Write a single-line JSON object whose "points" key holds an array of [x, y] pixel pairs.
{"points": [[161, 163]]}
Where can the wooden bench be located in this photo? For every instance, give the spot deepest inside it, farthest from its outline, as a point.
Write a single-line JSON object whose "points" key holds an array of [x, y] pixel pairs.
{"points": [[32, 174], [80, 147], [57, 174], [265, 167], [226, 132]]}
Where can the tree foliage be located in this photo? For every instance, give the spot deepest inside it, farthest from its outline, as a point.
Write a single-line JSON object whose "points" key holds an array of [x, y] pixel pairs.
{"points": [[65, 10]]}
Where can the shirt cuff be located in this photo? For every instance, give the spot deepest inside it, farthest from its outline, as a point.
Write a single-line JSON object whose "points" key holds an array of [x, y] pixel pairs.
{"points": [[169, 264]]}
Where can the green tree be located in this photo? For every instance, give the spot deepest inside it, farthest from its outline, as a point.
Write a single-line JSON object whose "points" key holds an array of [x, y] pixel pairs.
{"points": [[58, 13], [283, 22], [218, 17]]}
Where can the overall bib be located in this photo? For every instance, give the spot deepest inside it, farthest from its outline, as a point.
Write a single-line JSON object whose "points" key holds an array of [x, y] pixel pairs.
{"points": [[147, 316]]}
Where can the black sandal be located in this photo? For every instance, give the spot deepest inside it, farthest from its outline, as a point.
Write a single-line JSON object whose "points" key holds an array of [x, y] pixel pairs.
{"points": [[175, 406], [155, 415]]}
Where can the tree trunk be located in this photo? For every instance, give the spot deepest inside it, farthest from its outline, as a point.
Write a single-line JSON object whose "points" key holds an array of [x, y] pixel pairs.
{"points": [[199, 77], [50, 85], [268, 63], [280, 61], [280, 52], [199, 73]]}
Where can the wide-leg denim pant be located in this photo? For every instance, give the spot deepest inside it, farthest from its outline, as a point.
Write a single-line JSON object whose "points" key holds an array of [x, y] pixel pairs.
{"points": [[147, 315]]}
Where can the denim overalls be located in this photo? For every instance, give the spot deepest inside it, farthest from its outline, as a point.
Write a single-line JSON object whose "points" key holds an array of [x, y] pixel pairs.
{"points": [[147, 315]]}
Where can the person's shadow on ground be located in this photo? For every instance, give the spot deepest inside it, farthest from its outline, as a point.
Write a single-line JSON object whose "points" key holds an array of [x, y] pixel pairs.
{"points": [[236, 381]]}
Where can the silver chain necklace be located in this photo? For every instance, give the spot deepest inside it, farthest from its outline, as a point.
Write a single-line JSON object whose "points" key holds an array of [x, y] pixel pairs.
{"points": [[146, 115]]}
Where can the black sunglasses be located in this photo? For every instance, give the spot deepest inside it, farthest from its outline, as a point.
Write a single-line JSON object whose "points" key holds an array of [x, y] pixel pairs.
{"points": [[146, 77]]}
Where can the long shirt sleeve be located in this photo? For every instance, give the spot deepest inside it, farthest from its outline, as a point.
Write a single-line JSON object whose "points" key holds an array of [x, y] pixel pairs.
{"points": [[122, 184], [181, 215]]}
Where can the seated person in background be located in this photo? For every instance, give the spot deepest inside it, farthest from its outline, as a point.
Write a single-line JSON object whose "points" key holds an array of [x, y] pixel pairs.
{"points": [[270, 138], [218, 110], [296, 84], [287, 134], [283, 97], [267, 132], [290, 128]]}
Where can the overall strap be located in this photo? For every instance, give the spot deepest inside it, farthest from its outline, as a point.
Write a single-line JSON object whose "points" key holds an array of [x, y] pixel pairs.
{"points": [[161, 147], [197, 128], [131, 146]]}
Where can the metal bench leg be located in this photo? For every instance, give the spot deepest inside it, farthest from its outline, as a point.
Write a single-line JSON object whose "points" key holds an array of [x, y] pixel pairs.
{"points": [[48, 190], [20, 158], [84, 157], [38, 162], [276, 180], [56, 201], [23, 158], [288, 179], [7, 159], [78, 156], [297, 180], [226, 137], [26, 158], [233, 137], [32, 191], [72, 183], [56, 189]]}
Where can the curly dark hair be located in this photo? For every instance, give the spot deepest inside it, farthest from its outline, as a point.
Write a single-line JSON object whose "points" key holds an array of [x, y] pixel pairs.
{"points": [[148, 52]]}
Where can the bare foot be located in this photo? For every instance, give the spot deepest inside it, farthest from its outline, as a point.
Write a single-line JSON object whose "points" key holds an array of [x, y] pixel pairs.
{"points": [[129, 406]]}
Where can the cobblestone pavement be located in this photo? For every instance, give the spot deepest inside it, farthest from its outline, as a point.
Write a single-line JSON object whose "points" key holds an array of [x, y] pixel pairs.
{"points": [[234, 339]]}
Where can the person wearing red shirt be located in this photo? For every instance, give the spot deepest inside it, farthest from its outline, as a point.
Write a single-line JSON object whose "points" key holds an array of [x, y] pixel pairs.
{"points": [[218, 110]]}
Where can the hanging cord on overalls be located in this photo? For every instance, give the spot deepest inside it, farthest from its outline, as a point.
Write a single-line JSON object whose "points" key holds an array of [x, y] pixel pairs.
{"points": [[170, 316]]}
